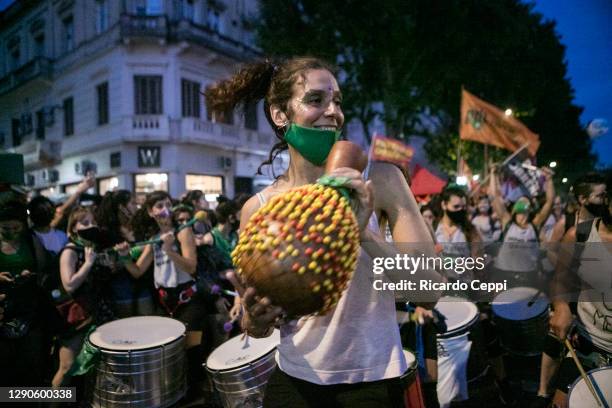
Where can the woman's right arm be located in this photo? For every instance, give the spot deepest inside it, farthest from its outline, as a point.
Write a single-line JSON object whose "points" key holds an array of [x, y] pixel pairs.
{"points": [[497, 202], [143, 263], [71, 279], [259, 314]]}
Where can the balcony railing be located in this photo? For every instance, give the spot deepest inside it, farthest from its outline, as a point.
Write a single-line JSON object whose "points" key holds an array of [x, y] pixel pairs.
{"points": [[39, 153], [144, 26], [39, 67], [146, 127], [185, 30], [195, 130]]}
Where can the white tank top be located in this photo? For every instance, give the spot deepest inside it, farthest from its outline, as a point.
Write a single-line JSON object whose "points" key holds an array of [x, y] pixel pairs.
{"points": [[165, 272], [520, 250], [595, 299], [358, 341]]}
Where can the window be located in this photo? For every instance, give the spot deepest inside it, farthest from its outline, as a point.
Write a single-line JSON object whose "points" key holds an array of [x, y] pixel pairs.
{"points": [[101, 16], [211, 186], [14, 54], [102, 93], [188, 9], [226, 117], [149, 182], [68, 34], [39, 45], [16, 132], [250, 116], [68, 117], [213, 19], [149, 7], [148, 95], [190, 95], [107, 184], [40, 125]]}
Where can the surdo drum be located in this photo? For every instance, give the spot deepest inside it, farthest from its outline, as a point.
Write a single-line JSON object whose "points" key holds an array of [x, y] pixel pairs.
{"points": [[462, 319], [522, 326], [413, 398], [142, 362], [579, 395], [241, 367]]}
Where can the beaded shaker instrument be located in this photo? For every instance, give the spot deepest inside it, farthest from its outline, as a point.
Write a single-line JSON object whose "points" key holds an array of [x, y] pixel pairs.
{"points": [[301, 248]]}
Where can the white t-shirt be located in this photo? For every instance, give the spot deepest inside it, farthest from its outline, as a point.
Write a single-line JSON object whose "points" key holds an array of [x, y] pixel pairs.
{"points": [[53, 241]]}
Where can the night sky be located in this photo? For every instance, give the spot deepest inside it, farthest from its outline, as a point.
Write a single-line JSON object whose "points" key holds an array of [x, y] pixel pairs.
{"points": [[586, 30]]}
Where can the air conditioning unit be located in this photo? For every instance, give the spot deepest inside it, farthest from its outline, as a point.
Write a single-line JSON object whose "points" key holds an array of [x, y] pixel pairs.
{"points": [[225, 163], [50, 175]]}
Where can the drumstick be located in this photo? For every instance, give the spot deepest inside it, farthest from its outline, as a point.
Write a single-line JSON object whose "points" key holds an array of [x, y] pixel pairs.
{"points": [[534, 298], [583, 374]]}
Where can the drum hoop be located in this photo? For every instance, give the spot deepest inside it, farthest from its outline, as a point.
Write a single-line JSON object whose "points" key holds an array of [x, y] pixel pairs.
{"points": [[238, 368], [538, 316], [460, 330], [180, 338], [571, 388]]}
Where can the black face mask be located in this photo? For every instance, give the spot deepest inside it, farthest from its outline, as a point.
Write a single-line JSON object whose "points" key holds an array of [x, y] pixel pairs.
{"points": [[598, 210], [91, 234], [458, 217]]}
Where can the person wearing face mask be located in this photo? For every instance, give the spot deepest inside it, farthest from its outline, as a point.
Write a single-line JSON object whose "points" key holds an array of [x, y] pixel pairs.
{"points": [[519, 255], [174, 260], [582, 277], [589, 193], [27, 313], [352, 356], [225, 232], [129, 296], [83, 298], [488, 227]]}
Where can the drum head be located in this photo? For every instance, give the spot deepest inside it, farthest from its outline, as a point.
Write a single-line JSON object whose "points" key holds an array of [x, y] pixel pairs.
{"points": [[410, 359], [460, 314], [237, 351], [137, 333], [513, 304], [580, 396]]}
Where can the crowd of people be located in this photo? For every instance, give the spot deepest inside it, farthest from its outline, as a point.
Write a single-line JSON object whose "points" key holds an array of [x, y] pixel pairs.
{"points": [[67, 268], [71, 267]]}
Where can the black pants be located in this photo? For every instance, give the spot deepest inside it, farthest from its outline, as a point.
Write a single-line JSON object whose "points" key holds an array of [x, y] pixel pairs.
{"points": [[284, 391]]}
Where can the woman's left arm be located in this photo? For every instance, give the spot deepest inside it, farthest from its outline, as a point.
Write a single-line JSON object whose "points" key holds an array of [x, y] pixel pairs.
{"points": [[187, 259]]}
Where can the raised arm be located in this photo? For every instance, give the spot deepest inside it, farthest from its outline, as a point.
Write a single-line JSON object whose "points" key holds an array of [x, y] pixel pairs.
{"points": [[542, 215], [497, 201], [83, 186]]}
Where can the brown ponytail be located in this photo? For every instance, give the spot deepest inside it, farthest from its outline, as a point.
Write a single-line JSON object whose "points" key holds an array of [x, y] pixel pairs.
{"points": [[269, 80]]}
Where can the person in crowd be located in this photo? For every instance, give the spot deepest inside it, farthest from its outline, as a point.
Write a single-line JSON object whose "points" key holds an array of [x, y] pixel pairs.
{"points": [[428, 216], [225, 233], [589, 192], [196, 200], [556, 215], [518, 259], [84, 278], [488, 227], [28, 318], [63, 210], [589, 285], [42, 213], [174, 260], [302, 103], [129, 296]]}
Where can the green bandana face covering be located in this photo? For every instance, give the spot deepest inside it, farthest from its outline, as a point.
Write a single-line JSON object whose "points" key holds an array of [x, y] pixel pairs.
{"points": [[313, 144]]}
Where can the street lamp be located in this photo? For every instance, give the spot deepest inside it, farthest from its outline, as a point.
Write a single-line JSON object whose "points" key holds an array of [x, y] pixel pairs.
{"points": [[508, 112], [564, 180], [552, 164]]}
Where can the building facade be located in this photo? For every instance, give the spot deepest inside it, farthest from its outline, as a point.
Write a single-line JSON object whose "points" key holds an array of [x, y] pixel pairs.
{"points": [[114, 86]]}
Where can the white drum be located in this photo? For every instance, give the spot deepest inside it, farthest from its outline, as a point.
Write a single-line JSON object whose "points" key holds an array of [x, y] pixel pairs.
{"points": [[461, 355], [142, 362], [579, 395], [241, 367], [522, 327]]}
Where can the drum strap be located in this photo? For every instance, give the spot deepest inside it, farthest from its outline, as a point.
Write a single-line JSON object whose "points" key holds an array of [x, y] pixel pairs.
{"points": [[172, 298]]}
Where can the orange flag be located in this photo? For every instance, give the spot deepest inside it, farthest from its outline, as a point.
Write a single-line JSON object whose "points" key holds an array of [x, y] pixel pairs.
{"points": [[485, 123]]}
